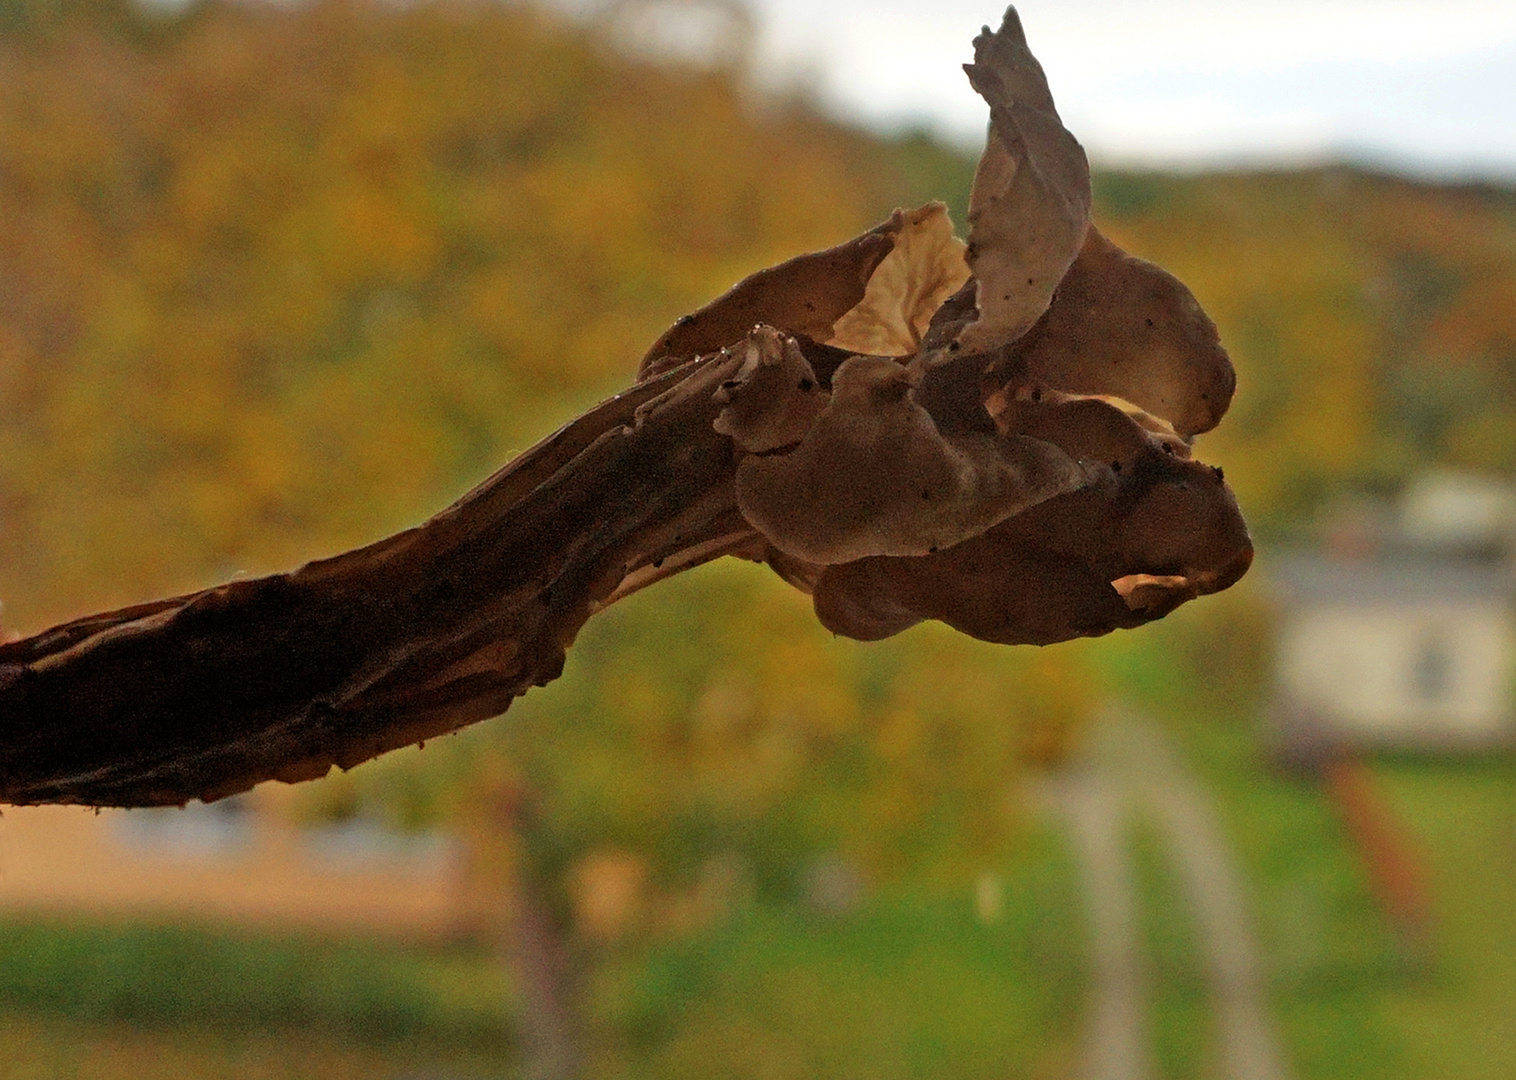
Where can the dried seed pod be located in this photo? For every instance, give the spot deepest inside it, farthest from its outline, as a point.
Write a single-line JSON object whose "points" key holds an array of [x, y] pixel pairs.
{"points": [[1008, 453]]}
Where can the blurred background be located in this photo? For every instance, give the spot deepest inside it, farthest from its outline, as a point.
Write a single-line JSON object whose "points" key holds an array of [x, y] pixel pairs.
{"points": [[279, 278]]}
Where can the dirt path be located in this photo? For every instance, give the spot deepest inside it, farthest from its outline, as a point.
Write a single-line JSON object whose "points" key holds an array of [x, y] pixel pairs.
{"points": [[1115, 1045], [1133, 770]]}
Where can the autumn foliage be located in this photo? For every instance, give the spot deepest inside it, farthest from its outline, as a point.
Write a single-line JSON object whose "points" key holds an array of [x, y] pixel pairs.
{"points": [[261, 259]]}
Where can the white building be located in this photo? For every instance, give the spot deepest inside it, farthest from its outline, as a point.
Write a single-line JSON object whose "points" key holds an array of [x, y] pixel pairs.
{"points": [[1393, 653], [1405, 639]]}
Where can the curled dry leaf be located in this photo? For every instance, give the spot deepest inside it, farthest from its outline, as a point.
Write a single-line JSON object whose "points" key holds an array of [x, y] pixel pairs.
{"points": [[1030, 204], [875, 476], [1116, 554], [1087, 428], [805, 296], [906, 288], [1122, 326], [899, 442]]}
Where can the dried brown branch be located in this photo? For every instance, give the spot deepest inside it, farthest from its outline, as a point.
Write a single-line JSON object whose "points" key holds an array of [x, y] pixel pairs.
{"points": [[1016, 465], [335, 663]]}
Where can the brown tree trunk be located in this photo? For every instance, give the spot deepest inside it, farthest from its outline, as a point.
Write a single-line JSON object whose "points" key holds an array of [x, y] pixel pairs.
{"points": [[552, 1029], [514, 900]]}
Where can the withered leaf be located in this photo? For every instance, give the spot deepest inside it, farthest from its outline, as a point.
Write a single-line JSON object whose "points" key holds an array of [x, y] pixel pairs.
{"points": [[1030, 203], [1114, 554], [805, 295], [1084, 427], [907, 288], [1122, 326], [875, 476]]}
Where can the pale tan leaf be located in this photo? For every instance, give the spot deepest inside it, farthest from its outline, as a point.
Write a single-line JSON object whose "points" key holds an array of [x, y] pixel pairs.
{"points": [[906, 289]]}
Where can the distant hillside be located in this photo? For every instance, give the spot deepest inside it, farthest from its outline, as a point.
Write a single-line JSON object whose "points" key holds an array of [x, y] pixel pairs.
{"points": [[280, 279]]}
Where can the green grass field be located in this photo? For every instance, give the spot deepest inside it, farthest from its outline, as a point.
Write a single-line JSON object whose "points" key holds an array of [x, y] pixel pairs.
{"points": [[1460, 1020], [911, 984], [1350, 1001]]}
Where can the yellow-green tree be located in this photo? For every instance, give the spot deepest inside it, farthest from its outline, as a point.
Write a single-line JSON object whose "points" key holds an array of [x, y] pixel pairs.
{"points": [[282, 279], [709, 745]]}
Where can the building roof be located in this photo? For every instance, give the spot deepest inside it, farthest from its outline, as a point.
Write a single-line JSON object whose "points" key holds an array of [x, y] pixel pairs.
{"points": [[1311, 577]]}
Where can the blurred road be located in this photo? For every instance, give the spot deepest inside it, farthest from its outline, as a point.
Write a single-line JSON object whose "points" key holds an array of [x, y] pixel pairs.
{"points": [[1132, 770], [1116, 1036]]}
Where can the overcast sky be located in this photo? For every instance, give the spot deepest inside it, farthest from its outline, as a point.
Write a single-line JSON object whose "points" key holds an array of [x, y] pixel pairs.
{"points": [[1428, 87], [1425, 86]]}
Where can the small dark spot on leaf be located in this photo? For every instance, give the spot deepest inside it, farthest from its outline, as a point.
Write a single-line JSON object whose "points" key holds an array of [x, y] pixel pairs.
{"points": [[807, 384], [932, 550], [1149, 322], [1168, 449], [953, 346], [1031, 281], [731, 384], [1115, 466], [926, 493], [1036, 393], [657, 563]]}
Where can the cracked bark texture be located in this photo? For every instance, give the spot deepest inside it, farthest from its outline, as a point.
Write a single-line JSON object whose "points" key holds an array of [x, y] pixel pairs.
{"points": [[285, 676]]}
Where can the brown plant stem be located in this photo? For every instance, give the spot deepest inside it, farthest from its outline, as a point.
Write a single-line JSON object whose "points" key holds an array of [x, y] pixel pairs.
{"points": [[283, 677]]}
